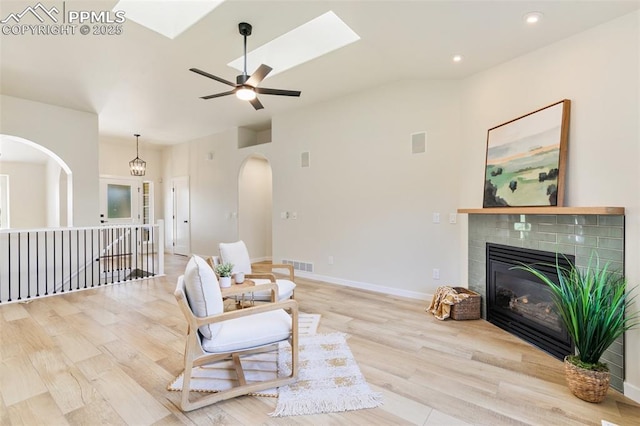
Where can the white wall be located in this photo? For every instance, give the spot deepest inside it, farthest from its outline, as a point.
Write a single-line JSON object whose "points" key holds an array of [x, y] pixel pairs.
{"points": [[255, 207], [366, 200], [64, 194], [214, 192], [212, 189], [27, 194], [53, 191], [115, 154], [213, 164], [72, 135], [598, 70]]}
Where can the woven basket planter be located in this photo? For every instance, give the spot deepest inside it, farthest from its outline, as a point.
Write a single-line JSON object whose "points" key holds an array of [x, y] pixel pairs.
{"points": [[466, 309], [588, 385]]}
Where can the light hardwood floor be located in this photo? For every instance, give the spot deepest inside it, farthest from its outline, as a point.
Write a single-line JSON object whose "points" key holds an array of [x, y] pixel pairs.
{"points": [[105, 356]]}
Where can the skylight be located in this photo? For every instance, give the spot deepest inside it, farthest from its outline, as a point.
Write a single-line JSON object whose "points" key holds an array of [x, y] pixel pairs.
{"points": [[311, 40], [169, 17]]}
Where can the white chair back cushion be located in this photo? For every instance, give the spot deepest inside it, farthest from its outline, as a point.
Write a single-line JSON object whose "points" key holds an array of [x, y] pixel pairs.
{"points": [[203, 293], [237, 254]]}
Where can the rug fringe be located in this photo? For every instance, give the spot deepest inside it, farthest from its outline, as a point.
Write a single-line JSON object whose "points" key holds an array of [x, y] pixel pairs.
{"points": [[301, 408]]}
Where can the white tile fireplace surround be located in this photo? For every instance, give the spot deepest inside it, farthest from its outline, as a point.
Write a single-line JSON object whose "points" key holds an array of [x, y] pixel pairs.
{"points": [[579, 235]]}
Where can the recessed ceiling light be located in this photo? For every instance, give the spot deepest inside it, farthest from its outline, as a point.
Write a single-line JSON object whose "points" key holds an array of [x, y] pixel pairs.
{"points": [[310, 40], [457, 58], [533, 17], [169, 18]]}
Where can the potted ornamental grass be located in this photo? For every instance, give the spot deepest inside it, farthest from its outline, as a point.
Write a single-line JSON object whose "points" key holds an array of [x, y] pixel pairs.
{"points": [[593, 303]]}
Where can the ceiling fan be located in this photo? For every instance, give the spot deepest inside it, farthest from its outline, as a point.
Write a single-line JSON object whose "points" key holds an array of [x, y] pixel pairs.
{"points": [[246, 86]]}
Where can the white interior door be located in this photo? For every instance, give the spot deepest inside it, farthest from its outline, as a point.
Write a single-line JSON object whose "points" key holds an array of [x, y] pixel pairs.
{"points": [[181, 219], [119, 201]]}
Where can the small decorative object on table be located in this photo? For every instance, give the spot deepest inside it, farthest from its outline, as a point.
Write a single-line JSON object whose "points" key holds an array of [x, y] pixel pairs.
{"points": [[224, 274], [238, 277]]}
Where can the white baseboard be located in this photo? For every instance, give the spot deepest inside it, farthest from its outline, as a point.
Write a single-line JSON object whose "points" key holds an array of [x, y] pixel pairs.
{"points": [[632, 391], [366, 286]]}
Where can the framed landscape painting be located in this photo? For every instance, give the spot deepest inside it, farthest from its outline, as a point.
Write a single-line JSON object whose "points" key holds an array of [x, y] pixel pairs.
{"points": [[526, 159]]}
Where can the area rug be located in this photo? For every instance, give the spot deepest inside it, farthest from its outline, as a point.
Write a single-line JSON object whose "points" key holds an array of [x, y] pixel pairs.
{"points": [[308, 323], [258, 367], [329, 379]]}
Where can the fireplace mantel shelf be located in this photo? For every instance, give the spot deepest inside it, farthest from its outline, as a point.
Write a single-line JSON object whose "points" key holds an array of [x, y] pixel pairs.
{"points": [[547, 210]]}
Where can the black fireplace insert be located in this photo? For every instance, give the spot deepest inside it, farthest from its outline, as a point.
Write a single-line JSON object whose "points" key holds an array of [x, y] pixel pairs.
{"points": [[520, 303]]}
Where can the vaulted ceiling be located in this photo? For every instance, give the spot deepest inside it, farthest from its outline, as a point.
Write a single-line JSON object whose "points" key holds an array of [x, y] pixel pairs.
{"points": [[138, 81]]}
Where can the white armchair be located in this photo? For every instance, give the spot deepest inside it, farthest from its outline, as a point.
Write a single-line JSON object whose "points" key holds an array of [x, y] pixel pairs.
{"points": [[214, 335], [237, 254]]}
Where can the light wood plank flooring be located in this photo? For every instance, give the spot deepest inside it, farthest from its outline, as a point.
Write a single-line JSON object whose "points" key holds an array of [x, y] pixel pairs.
{"points": [[105, 356]]}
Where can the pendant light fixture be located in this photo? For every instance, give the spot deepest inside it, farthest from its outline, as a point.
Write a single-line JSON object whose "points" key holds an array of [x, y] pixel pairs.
{"points": [[137, 166]]}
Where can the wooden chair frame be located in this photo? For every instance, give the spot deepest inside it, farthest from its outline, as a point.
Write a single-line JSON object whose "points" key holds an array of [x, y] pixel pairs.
{"points": [[261, 270], [195, 356]]}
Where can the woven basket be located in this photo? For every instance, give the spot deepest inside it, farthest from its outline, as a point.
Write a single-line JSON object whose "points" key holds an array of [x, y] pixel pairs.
{"points": [[467, 309], [588, 385]]}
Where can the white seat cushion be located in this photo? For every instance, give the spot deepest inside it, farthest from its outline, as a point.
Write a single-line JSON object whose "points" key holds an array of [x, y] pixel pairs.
{"points": [[250, 331], [285, 289], [203, 293]]}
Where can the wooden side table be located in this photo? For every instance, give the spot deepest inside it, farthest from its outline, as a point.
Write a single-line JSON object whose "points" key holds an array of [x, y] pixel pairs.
{"points": [[233, 291]]}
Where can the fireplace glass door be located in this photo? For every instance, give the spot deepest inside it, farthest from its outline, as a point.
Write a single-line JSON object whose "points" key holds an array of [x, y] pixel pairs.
{"points": [[520, 303]]}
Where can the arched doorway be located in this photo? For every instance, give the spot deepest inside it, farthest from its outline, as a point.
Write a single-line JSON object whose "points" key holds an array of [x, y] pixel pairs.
{"points": [[37, 185], [255, 193]]}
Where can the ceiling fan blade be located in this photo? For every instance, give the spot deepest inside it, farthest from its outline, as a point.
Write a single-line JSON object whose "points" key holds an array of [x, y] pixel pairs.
{"points": [[279, 92], [256, 104], [217, 95], [259, 75], [206, 74]]}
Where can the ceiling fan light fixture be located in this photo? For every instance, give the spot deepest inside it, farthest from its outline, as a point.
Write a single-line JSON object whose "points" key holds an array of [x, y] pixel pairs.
{"points": [[246, 94], [246, 86]]}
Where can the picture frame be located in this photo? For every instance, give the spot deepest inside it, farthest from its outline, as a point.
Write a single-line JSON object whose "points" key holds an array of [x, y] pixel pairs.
{"points": [[526, 159]]}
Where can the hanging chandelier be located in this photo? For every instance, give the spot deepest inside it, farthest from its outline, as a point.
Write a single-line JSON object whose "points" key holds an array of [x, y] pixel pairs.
{"points": [[137, 165]]}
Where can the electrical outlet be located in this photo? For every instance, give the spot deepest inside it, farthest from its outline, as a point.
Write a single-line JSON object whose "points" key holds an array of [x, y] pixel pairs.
{"points": [[436, 217], [294, 215], [453, 217], [436, 274]]}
